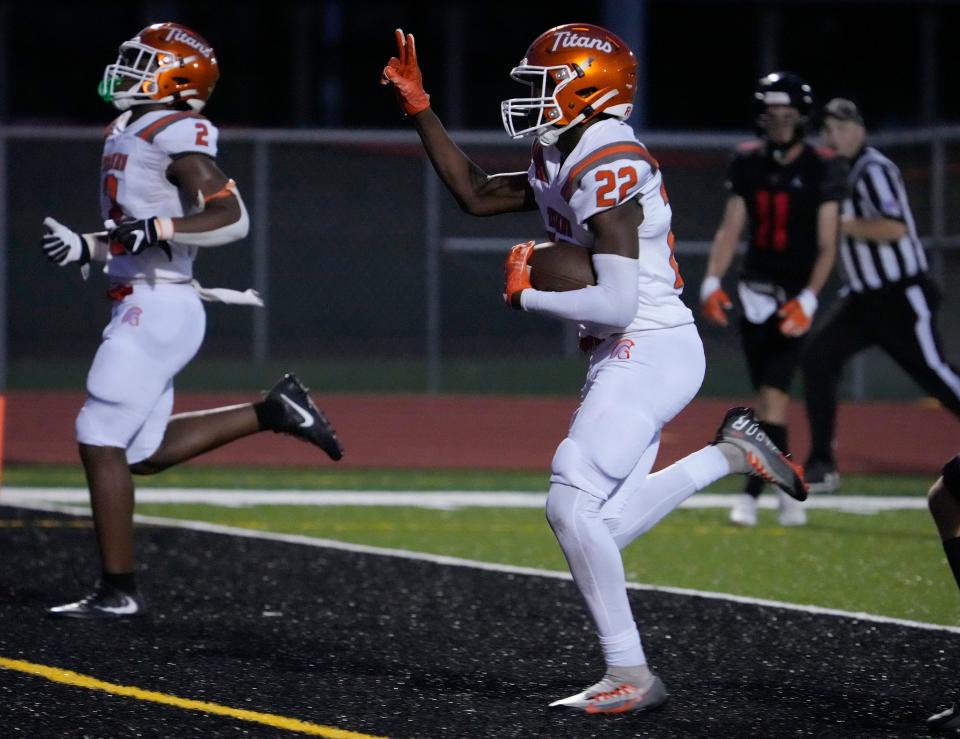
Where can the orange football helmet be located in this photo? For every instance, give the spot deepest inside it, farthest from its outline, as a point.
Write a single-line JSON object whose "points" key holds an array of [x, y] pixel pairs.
{"points": [[575, 72], [164, 63]]}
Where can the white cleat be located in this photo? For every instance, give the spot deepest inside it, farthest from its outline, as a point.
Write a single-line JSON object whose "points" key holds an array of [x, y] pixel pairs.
{"points": [[791, 512], [744, 511], [616, 696]]}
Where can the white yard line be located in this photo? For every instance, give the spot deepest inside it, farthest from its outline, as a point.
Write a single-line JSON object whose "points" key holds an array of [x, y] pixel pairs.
{"points": [[864, 504], [473, 564]]}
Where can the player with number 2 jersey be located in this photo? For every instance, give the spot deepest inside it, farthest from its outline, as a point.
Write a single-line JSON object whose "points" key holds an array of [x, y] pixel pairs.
{"points": [[597, 186], [162, 198]]}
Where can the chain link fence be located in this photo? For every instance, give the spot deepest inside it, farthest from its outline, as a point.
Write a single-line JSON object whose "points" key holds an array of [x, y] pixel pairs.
{"points": [[374, 280]]}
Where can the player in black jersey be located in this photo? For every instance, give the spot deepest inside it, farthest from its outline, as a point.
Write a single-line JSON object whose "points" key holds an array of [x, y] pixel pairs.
{"points": [[787, 190]]}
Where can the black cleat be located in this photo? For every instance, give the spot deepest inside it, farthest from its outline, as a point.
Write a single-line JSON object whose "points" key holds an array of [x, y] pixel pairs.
{"points": [[821, 477], [948, 720], [105, 602], [301, 418], [741, 428]]}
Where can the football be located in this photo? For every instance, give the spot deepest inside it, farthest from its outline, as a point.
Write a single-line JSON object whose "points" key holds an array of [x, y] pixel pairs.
{"points": [[559, 267]]}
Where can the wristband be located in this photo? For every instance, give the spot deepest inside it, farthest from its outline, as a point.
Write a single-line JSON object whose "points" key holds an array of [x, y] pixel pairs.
{"points": [[710, 284], [808, 301], [165, 230]]}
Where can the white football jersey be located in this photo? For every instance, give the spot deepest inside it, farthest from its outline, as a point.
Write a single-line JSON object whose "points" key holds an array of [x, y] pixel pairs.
{"points": [[607, 168], [134, 184]]}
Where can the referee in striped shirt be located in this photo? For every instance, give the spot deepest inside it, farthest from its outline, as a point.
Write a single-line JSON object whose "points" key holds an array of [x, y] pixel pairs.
{"points": [[888, 301]]}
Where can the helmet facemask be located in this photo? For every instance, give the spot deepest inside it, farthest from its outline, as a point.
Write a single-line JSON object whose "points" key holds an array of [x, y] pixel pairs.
{"points": [[541, 111], [542, 114]]}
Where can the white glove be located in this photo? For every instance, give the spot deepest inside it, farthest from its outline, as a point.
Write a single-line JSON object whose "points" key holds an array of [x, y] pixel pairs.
{"points": [[62, 246]]}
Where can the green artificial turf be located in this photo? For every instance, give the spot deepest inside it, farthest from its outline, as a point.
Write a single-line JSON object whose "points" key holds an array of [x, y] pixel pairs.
{"points": [[888, 563]]}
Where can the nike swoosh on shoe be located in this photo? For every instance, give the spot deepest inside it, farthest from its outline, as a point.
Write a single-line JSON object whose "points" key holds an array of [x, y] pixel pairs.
{"points": [[130, 606], [307, 418]]}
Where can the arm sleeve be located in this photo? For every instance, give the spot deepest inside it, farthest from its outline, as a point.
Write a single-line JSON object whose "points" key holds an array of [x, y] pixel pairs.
{"points": [[191, 134], [611, 302], [884, 188]]}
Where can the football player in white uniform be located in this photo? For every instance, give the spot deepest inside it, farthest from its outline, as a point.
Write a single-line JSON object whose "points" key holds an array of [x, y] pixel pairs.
{"points": [[597, 186], [162, 199]]}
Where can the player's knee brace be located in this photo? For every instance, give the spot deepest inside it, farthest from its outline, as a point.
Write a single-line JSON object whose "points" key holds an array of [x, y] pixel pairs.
{"points": [[561, 504], [569, 512]]}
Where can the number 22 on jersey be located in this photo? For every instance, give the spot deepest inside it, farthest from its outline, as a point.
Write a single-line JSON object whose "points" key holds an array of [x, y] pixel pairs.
{"points": [[626, 177]]}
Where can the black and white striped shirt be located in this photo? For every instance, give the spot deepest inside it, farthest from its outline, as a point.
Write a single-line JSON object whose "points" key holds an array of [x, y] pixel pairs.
{"points": [[877, 191]]}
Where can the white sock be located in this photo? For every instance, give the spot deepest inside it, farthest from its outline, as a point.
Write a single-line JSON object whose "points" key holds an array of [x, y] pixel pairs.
{"points": [[623, 649], [639, 676]]}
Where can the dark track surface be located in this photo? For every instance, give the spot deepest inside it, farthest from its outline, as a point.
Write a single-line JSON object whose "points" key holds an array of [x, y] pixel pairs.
{"points": [[401, 648]]}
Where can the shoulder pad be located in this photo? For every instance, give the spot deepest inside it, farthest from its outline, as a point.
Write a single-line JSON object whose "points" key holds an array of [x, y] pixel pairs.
{"points": [[608, 153], [149, 133], [182, 133]]}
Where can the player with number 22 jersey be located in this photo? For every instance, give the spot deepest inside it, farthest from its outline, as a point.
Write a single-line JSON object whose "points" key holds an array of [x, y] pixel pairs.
{"points": [[607, 168], [597, 186]]}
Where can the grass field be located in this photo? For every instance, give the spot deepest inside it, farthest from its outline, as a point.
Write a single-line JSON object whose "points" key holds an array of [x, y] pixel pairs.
{"points": [[888, 563], [276, 478]]}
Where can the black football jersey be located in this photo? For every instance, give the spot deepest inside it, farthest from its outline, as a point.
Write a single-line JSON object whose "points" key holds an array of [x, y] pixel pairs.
{"points": [[782, 203]]}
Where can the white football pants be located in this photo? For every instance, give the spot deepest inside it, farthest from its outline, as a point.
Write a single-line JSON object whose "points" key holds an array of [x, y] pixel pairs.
{"points": [[153, 333], [602, 495]]}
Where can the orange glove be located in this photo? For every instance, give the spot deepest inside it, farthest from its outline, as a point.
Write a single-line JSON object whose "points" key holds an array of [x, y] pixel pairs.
{"points": [[516, 274], [404, 74], [797, 314], [715, 302]]}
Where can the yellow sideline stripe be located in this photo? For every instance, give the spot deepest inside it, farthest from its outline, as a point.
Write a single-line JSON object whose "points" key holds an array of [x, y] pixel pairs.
{"points": [[59, 675]]}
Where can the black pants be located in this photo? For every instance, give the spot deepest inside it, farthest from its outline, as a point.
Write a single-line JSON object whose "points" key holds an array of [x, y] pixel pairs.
{"points": [[900, 320], [772, 358]]}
